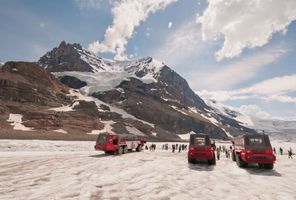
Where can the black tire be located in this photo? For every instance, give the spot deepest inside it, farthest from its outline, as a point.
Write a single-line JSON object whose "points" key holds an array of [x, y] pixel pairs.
{"points": [[212, 161], [233, 156], [139, 148], [125, 150], [268, 166], [240, 162], [191, 161], [120, 151]]}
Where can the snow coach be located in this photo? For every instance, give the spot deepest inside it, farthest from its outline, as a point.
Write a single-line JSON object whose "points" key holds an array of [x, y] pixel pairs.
{"points": [[200, 149], [249, 149], [119, 143]]}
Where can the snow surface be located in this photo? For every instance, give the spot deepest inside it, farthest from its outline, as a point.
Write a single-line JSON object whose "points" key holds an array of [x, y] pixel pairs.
{"points": [[65, 108], [16, 122], [134, 131], [61, 131], [220, 108], [107, 128], [109, 74], [73, 170], [186, 136]]}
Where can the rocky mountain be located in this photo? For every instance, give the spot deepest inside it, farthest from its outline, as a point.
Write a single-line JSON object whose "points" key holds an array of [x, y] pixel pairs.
{"points": [[145, 91]]}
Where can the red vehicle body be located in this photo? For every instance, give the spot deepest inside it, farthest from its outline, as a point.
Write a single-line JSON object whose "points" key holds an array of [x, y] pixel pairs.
{"points": [[118, 143], [200, 149], [253, 149]]}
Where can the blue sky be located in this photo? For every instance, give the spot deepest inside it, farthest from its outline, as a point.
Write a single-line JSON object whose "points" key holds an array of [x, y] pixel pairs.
{"points": [[241, 53]]}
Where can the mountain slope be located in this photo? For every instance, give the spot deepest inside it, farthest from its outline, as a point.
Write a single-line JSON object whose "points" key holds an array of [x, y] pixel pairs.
{"points": [[146, 89], [276, 128]]}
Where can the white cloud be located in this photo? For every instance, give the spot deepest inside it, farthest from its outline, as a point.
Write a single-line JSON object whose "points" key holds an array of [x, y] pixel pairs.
{"points": [[127, 14], [90, 4], [245, 24], [254, 110], [184, 43], [236, 72], [275, 89], [277, 85], [42, 25], [170, 24]]}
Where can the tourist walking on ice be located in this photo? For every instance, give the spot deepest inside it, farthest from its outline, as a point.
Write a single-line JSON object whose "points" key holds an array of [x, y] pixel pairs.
{"points": [[290, 153], [281, 151], [218, 154]]}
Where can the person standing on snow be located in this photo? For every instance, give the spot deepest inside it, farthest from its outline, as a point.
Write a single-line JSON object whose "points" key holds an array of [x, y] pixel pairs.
{"points": [[218, 154], [281, 151], [213, 145], [173, 147], [290, 153], [274, 150], [180, 148]]}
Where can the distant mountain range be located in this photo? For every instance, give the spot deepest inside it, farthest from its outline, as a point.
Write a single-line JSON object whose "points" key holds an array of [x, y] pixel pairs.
{"points": [[142, 97], [276, 128]]}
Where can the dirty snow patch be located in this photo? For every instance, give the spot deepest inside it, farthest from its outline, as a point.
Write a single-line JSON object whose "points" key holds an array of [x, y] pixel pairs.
{"points": [[61, 131], [108, 128], [227, 133], [16, 122], [186, 136], [134, 131]]}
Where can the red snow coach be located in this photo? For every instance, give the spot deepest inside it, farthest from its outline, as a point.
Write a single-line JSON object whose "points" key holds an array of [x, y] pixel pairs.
{"points": [[119, 144], [200, 149], [253, 149]]}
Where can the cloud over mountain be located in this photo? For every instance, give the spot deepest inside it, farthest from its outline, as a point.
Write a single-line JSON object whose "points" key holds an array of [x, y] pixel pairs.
{"points": [[245, 24], [127, 15]]}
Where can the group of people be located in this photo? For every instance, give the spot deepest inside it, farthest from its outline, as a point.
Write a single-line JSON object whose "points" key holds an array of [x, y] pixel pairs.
{"points": [[290, 152], [219, 150], [180, 147], [152, 147], [223, 149], [175, 147]]}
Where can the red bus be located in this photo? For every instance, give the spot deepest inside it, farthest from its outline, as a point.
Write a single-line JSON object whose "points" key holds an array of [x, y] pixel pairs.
{"points": [[119, 143], [200, 149], [253, 149]]}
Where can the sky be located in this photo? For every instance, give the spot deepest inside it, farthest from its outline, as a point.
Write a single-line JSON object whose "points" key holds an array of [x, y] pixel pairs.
{"points": [[240, 53]]}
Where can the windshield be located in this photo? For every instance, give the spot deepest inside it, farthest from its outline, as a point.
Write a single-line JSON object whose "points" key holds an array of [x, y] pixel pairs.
{"points": [[199, 141], [257, 141], [102, 138]]}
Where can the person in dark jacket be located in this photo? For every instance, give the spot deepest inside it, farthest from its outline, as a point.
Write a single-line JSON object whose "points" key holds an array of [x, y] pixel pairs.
{"points": [[281, 151], [173, 147], [290, 153]]}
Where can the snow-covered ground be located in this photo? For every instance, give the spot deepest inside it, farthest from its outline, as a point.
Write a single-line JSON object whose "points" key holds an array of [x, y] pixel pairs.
{"points": [[73, 170]]}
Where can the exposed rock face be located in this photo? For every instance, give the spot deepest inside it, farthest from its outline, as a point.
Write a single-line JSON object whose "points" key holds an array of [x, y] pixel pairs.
{"points": [[72, 82], [65, 58], [28, 83]]}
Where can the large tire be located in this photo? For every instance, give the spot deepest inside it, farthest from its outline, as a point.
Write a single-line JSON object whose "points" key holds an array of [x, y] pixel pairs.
{"points": [[268, 165], [240, 162], [212, 161], [120, 151], [233, 156], [139, 148], [125, 150], [191, 161]]}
